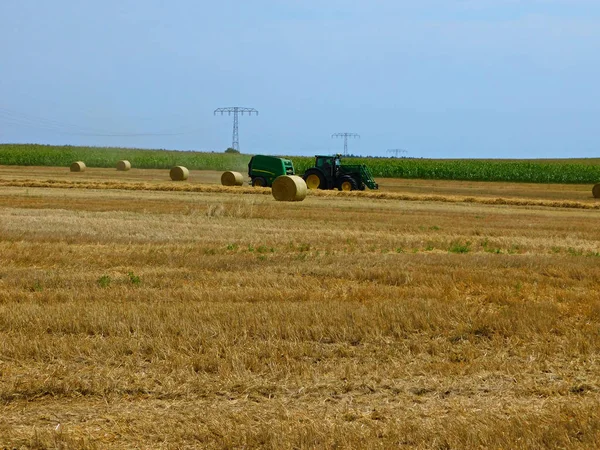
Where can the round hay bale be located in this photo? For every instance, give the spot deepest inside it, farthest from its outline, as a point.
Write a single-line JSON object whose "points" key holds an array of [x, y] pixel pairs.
{"points": [[289, 188], [596, 190], [179, 173], [123, 165], [232, 179], [78, 166]]}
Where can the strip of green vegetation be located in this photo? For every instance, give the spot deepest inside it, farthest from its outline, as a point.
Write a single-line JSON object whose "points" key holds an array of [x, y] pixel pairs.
{"points": [[488, 170], [531, 171], [528, 171], [57, 156]]}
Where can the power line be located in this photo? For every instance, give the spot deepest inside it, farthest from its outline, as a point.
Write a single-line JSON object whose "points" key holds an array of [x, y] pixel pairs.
{"points": [[345, 136], [31, 121], [235, 110]]}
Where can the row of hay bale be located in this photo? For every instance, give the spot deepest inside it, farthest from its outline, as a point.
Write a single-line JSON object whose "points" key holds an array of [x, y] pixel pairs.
{"points": [[287, 188], [79, 166], [177, 173]]}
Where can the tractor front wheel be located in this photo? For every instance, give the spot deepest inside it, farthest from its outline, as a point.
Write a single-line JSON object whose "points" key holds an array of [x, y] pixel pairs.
{"points": [[347, 183], [315, 179]]}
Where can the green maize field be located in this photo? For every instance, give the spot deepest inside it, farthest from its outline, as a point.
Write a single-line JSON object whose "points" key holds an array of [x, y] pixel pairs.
{"points": [[578, 171], [56, 156]]}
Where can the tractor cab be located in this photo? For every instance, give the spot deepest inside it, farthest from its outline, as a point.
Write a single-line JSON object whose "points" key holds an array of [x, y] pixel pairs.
{"points": [[328, 164]]}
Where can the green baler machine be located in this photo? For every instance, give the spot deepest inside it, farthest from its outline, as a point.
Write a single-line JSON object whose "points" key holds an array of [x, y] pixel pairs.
{"points": [[263, 169]]}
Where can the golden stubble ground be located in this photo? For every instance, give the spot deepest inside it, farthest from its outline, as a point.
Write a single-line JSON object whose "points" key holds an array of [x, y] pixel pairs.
{"points": [[153, 319]]}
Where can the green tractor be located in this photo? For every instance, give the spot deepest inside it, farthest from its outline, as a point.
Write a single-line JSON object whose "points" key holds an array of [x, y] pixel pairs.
{"points": [[330, 173]]}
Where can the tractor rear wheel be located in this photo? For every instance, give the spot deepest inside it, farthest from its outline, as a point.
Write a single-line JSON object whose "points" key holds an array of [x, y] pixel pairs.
{"points": [[259, 182], [315, 179], [347, 183]]}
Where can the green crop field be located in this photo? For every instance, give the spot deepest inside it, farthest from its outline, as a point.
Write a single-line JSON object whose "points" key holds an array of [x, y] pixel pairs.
{"points": [[531, 171], [49, 155]]}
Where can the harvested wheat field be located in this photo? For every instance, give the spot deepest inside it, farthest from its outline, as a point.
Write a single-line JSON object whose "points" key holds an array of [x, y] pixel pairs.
{"points": [[138, 317]]}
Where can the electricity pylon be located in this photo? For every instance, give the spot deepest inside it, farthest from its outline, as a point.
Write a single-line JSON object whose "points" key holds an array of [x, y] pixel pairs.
{"points": [[396, 151], [345, 136], [235, 110]]}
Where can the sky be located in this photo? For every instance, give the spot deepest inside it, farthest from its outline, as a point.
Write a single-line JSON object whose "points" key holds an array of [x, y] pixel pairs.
{"points": [[436, 78]]}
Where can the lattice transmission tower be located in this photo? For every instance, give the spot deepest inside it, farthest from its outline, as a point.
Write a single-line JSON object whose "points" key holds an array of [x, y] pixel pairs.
{"points": [[345, 136], [397, 151], [235, 110]]}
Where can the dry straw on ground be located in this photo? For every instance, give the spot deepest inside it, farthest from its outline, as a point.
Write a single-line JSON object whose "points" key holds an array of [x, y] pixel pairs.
{"points": [[596, 191], [123, 165], [232, 179], [343, 322], [179, 173], [78, 166], [147, 186], [289, 188]]}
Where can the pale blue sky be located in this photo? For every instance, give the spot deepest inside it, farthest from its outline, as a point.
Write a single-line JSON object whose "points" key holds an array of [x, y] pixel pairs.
{"points": [[462, 78]]}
